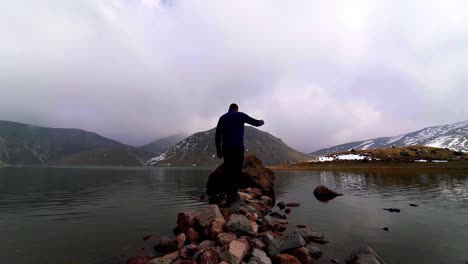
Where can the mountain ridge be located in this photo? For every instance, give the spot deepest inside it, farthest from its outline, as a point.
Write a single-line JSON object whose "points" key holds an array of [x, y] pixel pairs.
{"points": [[452, 136]]}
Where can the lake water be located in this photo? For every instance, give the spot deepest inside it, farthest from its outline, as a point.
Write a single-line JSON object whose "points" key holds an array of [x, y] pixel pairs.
{"points": [[100, 214]]}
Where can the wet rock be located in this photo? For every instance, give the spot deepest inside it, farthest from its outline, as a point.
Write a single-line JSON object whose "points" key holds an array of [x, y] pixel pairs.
{"points": [[209, 256], [386, 229], [254, 174], [392, 210], [281, 205], [282, 243], [285, 259], [215, 228], [272, 223], [165, 245], [259, 257], [185, 221], [413, 205], [226, 238], [138, 260], [234, 253], [314, 251], [364, 255], [192, 236], [279, 215], [334, 260], [240, 225], [209, 214], [308, 235], [181, 240], [324, 194], [287, 210], [293, 204], [302, 254]]}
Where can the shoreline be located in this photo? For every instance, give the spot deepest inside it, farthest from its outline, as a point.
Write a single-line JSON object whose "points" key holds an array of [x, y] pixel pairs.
{"points": [[375, 166]]}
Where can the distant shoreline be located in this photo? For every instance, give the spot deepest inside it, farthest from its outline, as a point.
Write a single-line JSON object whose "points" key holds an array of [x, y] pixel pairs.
{"points": [[376, 166]]}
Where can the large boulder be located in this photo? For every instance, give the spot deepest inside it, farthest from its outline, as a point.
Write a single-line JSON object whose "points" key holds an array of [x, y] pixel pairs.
{"points": [[254, 175], [364, 255]]}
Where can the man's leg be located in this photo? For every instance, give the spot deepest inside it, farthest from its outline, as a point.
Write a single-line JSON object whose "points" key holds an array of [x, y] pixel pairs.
{"points": [[236, 160]]}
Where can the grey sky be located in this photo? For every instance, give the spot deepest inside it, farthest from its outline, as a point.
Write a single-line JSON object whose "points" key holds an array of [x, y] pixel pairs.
{"points": [[319, 73]]}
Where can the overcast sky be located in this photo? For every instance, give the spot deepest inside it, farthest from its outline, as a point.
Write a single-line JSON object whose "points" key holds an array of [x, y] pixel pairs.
{"points": [[319, 73]]}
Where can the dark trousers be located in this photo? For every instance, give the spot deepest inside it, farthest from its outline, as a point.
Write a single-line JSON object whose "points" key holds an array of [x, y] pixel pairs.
{"points": [[233, 160]]}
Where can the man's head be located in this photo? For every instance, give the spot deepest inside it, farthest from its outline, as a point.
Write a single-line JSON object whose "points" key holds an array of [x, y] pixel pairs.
{"points": [[234, 107]]}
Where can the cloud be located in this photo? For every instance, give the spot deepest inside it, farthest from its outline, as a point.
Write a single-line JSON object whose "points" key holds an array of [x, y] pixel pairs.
{"points": [[319, 72]]}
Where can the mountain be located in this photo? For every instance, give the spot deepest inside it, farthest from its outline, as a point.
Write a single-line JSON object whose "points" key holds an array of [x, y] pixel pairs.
{"points": [[27, 144], [199, 149], [453, 136], [159, 146]]}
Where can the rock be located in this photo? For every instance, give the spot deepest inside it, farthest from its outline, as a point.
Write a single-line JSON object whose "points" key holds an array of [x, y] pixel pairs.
{"points": [[244, 241], [185, 221], [259, 257], [308, 235], [240, 225], [287, 210], [148, 237], [364, 255], [323, 194], [279, 215], [207, 244], [215, 228], [188, 251], [181, 240], [302, 254], [301, 226], [184, 261], [226, 238], [210, 256], [209, 214], [258, 207], [386, 229], [245, 196], [234, 253], [172, 256], [285, 259], [256, 192], [165, 245], [314, 251], [138, 260], [413, 205], [334, 260], [392, 210], [281, 205], [282, 243], [272, 223], [254, 174], [293, 204], [267, 238], [267, 200], [192, 236], [257, 243]]}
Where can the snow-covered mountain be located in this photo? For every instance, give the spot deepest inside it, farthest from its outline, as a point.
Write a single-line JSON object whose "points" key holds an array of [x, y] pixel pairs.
{"points": [[453, 136], [199, 150]]}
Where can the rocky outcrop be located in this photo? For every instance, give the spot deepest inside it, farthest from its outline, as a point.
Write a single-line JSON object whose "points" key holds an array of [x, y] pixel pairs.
{"points": [[254, 175]]}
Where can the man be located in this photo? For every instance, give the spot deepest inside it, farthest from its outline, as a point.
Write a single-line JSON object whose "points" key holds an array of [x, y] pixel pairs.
{"points": [[230, 145]]}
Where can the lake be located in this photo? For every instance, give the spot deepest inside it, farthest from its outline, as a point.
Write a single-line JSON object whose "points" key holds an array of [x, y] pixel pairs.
{"points": [[101, 214]]}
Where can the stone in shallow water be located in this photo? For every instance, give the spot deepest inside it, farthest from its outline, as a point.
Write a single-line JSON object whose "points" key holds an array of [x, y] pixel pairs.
{"points": [[308, 235], [314, 251], [364, 255], [282, 243]]}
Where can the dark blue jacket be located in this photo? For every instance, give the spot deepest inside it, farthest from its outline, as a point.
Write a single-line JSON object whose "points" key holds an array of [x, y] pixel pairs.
{"points": [[230, 130]]}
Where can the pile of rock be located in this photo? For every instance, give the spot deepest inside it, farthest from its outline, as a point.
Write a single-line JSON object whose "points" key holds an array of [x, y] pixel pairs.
{"points": [[247, 231]]}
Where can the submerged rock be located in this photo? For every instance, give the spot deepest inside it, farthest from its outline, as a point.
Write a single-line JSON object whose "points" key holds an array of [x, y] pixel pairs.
{"points": [[364, 255], [392, 210]]}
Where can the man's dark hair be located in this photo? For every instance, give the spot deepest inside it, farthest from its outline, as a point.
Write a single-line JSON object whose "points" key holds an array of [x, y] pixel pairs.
{"points": [[233, 107]]}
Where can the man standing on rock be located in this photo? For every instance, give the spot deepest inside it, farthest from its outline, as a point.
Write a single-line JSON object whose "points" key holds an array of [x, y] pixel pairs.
{"points": [[230, 145]]}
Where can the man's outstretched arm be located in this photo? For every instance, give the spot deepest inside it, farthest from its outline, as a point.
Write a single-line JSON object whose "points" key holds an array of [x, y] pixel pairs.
{"points": [[252, 121], [219, 132]]}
